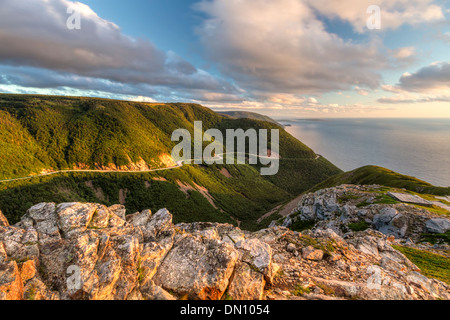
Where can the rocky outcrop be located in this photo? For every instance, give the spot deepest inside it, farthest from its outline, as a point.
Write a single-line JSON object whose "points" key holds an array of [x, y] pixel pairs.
{"points": [[3, 220], [89, 251], [349, 207]]}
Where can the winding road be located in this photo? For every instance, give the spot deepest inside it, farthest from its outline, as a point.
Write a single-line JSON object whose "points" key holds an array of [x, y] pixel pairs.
{"points": [[179, 165]]}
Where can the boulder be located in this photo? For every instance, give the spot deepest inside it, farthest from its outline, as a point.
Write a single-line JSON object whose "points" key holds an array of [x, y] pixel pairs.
{"points": [[139, 219], [246, 284], [158, 223], [150, 291], [384, 222], [310, 253], [437, 225], [43, 218], [259, 255], [11, 285], [100, 219], [74, 217], [197, 267]]}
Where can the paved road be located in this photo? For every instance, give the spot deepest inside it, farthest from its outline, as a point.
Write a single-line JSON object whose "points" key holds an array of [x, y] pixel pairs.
{"points": [[179, 165]]}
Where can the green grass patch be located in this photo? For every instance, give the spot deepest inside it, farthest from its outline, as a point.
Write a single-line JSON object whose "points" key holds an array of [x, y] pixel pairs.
{"points": [[301, 291], [345, 198], [385, 199], [370, 175], [363, 204], [359, 226], [436, 238], [301, 225], [431, 265], [434, 209]]}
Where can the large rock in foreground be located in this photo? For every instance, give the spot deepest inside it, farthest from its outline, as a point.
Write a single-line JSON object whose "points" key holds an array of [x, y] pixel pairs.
{"points": [[89, 251]]}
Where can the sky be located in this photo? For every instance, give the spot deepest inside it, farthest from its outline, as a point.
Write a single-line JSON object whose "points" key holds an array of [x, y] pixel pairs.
{"points": [[285, 58]]}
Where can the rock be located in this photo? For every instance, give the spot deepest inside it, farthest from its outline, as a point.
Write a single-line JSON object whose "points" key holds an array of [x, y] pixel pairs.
{"points": [[196, 267], [153, 292], [347, 207], [409, 198], [119, 210], [392, 265], [246, 284], [291, 247], [43, 218], [74, 217], [259, 255], [3, 221], [28, 270], [100, 219], [139, 219], [11, 285], [128, 249], [3, 254], [89, 252], [311, 253], [383, 221], [438, 225], [161, 221], [35, 289], [20, 244], [151, 256]]}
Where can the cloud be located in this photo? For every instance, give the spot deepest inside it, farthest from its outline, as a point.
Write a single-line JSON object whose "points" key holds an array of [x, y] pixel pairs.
{"points": [[414, 99], [282, 46], [394, 13], [434, 78], [34, 34], [428, 84]]}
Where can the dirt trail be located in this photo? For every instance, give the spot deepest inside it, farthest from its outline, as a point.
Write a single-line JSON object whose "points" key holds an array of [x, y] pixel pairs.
{"points": [[285, 210]]}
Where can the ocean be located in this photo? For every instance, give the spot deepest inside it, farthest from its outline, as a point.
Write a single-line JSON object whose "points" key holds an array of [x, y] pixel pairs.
{"points": [[414, 147]]}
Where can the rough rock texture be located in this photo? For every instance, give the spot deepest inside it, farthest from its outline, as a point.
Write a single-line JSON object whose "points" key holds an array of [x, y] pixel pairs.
{"points": [[3, 220], [438, 225], [342, 207], [89, 251]]}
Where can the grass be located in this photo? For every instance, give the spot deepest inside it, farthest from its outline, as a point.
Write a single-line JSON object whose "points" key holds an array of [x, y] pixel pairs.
{"points": [[370, 175], [434, 209], [326, 245], [385, 199], [363, 204], [301, 225], [326, 289], [301, 291], [345, 198], [431, 265], [359, 226], [436, 238]]}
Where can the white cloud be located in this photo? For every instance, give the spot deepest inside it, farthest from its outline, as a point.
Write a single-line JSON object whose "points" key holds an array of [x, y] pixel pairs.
{"points": [[428, 84], [394, 13], [34, 33], [282, 46], [434, 78]]}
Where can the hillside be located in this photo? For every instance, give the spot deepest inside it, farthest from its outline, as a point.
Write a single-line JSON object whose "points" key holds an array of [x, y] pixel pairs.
{"points": [[47, 133], [249, 115], [377, 175]]}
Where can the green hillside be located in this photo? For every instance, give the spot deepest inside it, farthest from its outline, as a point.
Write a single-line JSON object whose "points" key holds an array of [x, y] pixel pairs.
{"points": [[377, 175], [58, 133], [249, 115]]}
